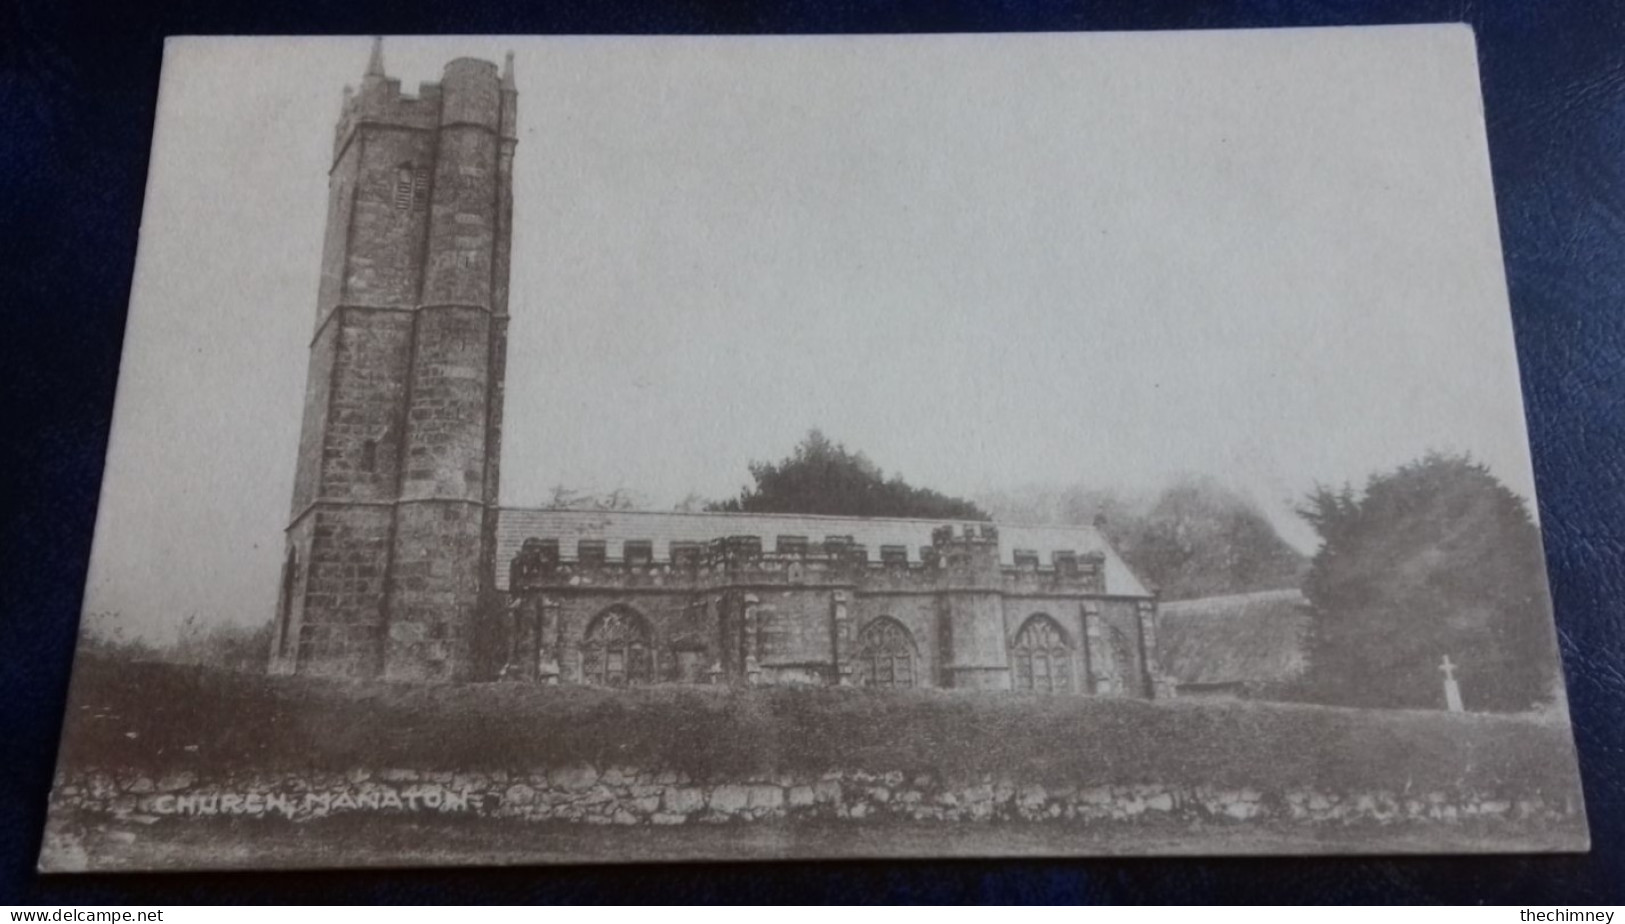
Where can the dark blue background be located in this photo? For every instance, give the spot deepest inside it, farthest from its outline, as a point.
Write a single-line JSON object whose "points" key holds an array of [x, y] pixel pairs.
{"points": [[78, 82]]}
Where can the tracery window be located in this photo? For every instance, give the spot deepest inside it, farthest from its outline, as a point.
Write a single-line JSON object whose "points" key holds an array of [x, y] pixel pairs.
{"points": [[1042, 657], [617, 650], [886, 654]]}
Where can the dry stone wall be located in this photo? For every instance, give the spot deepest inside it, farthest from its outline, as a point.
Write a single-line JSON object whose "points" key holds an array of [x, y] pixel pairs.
{"points": [[586, 794]]}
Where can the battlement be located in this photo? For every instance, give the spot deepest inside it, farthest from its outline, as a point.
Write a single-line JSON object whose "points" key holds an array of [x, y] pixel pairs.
{"points": [[470, 92], [876, 550], [837, 561], [970, 534], [381, 102]]}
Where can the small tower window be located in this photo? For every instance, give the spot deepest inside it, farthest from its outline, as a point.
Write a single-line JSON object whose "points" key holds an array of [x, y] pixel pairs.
{"points": [[404, 181], [420, 188], [369, 456]]}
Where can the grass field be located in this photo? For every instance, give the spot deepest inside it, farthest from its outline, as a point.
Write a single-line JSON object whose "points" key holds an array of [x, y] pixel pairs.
{"points": [[160, 717]]}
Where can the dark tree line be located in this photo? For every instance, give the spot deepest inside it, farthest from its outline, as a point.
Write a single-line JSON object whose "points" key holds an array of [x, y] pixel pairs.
{"points": [[1432, 559], [824, 477], [216, 644]]}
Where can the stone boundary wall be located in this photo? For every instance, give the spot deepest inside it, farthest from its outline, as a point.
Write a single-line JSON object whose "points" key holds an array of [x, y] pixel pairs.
{"points": [[627, 796]]}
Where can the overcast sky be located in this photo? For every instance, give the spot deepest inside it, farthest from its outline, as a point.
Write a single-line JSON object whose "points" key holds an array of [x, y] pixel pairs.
{"points": [[985, 261]]}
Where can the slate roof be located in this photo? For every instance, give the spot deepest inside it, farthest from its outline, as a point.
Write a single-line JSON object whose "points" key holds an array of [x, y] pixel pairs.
{"points": [[1243, 638], [615, 527]]}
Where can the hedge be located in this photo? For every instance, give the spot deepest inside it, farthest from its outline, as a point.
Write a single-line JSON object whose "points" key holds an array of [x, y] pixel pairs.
{"points": [[156, 716]]}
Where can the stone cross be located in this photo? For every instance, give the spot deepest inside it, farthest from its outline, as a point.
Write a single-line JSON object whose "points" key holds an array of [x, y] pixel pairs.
{"points": [[1452, 690]]}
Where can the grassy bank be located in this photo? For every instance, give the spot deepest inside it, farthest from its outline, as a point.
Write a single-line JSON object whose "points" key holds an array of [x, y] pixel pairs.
{"points": [[155, 716]]}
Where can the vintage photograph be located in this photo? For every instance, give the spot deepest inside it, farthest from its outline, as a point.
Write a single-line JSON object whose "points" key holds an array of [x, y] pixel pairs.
{"points": [[551, 450]]}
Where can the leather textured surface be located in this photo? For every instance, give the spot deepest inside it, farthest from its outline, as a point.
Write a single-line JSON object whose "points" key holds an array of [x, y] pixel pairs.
{"points": [[78, 83]]}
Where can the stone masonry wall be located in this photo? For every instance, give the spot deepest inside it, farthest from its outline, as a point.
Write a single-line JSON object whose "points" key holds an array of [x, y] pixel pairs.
{"points": [[612, 795], [390, 547]]}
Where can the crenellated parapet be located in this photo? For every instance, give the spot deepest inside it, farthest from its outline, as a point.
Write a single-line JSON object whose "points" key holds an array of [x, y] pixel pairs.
{"points": [[969, 546], [954, 561], [729, 561], [470, 94], [1066, 573], [823, 600], [380, 102]]}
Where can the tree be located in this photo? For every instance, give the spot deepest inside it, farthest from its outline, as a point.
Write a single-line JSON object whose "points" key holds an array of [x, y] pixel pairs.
{"points": [[1435, 558], [567, 498], [1200, 539], [619, 499], [105, 633], [1194, 538], [222, 644], [823, 477], [692, 502]]}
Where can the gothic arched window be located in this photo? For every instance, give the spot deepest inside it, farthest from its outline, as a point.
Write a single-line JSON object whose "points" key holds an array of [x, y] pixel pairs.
{"points": [[617, 650], [886, 654], [1042, 656]]}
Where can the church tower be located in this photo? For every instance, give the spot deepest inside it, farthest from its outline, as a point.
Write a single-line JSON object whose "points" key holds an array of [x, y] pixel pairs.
{"points": [[390, 548]]}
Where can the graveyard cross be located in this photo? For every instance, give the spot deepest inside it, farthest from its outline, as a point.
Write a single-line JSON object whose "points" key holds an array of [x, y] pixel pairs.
{"points": [[1452, 690]]}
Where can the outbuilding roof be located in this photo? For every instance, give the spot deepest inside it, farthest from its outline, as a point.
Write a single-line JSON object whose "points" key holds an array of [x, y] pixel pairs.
{"points": [[1241, 638]]}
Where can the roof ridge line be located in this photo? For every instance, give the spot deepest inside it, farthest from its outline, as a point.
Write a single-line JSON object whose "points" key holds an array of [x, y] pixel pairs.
{"points": [[805, 516]]}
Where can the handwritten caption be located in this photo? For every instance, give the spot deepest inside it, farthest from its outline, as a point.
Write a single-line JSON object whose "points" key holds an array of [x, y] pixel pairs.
{"points": [[374, 798]]}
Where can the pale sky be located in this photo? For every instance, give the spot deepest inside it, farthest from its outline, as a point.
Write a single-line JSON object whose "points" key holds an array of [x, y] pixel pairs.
{"points": [[984, 261]]}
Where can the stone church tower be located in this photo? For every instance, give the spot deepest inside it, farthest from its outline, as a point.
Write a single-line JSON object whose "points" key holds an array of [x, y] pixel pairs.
{"points": [[390, 549]]}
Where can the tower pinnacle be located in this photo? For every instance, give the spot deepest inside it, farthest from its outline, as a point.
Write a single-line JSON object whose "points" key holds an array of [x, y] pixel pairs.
{"points": [[375, 63], [507, 72]]}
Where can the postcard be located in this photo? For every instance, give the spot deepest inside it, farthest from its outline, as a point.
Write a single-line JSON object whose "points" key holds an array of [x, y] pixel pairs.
{"points": [[595, 449]]}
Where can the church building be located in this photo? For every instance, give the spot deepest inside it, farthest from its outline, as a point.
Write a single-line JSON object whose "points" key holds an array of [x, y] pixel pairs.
{"points": [[400, 564]]}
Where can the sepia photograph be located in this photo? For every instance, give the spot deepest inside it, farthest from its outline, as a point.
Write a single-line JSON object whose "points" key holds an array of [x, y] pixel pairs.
{"points": [[599, 450]]}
